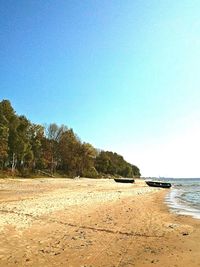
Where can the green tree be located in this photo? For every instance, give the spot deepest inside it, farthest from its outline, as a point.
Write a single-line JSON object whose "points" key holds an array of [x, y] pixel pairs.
{"points": [[54, 134], [28, 146], [102, 162], [4, 133], [111, 163], [69, 148], [9, 119], [136, 171], [36, 140], [87, 154], [22, 143]]}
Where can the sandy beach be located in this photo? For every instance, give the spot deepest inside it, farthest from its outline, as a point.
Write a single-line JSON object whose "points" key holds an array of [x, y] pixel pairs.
{"points": [[88, 222]]}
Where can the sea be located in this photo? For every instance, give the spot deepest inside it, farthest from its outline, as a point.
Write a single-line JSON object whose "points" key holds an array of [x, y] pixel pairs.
{"points": [[184, 196]]}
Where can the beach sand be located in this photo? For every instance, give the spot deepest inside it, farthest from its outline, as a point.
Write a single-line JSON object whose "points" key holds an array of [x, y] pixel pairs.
{"points": [[88, 222]]}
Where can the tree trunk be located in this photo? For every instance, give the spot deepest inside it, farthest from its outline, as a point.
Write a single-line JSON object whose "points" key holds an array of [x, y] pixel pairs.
{"points": [[13, 164]]}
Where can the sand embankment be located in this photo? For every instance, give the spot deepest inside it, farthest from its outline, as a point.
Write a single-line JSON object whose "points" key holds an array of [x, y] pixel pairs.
{"points": [[86, 222]]}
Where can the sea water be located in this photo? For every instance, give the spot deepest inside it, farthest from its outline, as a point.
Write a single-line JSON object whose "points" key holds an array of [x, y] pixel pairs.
{"points": [[184, 196]]}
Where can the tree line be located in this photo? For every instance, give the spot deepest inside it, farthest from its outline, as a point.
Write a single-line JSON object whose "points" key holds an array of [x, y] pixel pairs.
{"points": [[26, 148]]}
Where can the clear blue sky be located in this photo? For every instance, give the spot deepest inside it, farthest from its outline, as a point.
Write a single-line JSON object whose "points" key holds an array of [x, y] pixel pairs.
{"points": [[123, 74]]}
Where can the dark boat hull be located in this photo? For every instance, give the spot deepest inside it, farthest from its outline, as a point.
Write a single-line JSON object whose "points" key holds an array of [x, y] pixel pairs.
{"points": [[158, 184], [124, 180]]}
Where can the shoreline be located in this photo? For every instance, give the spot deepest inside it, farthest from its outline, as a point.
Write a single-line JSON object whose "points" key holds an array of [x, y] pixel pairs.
{"points": [[179, 206], [89, 223]]}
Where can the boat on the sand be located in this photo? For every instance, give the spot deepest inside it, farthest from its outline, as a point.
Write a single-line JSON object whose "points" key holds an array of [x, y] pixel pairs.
{"points": [[124, 180], [158, 184]]}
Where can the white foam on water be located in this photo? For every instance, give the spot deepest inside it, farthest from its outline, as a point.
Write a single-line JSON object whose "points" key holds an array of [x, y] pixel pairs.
{"points": [[179, 206]]}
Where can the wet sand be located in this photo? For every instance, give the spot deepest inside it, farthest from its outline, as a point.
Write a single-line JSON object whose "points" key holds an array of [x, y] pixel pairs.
{"points": [[88, 222]]}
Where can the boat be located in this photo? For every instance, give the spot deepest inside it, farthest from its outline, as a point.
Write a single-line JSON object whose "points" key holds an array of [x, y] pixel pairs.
{"points": [[158, 184], [124, 180]]}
